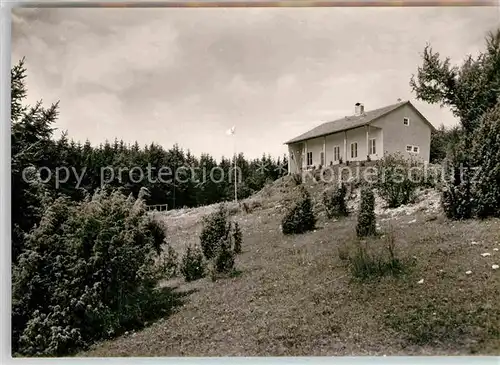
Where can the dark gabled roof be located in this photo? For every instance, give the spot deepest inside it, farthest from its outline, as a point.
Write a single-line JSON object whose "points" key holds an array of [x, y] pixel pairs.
{"points": [[351, 122]]}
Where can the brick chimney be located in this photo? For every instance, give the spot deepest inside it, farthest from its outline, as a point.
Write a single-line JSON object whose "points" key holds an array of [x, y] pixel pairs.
{"points": [[359, 109]]}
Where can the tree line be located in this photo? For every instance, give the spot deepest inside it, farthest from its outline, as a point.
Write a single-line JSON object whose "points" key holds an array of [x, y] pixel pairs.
{"points": [[45, 168]]}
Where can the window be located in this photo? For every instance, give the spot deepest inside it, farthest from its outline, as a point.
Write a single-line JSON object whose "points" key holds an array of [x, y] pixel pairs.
{"points": [[336, 153], [372, 146], [309, 158], [354, 150], [406, 121], [412, 149], [322, 158]]}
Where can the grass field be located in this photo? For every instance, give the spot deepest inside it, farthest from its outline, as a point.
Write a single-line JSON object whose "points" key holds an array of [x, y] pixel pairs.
{"points": [[295, 296]]}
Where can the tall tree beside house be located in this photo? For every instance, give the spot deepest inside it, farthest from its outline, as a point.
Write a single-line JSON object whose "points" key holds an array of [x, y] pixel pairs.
{"points": [[469, 90]]}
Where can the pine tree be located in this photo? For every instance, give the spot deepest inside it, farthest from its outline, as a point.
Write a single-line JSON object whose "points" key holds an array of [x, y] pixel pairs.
{"points": [[31, 144], [300, 218], [366, 217]]}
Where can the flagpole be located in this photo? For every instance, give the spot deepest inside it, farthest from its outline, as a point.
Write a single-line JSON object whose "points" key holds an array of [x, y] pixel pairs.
{"points": [[235, 172], [230, 132]]}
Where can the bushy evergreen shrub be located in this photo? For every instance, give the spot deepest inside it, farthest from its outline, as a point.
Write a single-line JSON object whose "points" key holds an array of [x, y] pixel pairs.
{"points": [[192, 264], [334, 201], [224, 260], [366, 217], [486, 150], [168, 263], [398, 179], [86, 273], [300, 218], [456, 202], [457, 198], [215, 228]]}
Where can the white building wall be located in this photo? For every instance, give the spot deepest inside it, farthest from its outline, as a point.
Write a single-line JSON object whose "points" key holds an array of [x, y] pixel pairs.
{"points": [[358, 136], [333, 140], [314, 146], [397, 135]]}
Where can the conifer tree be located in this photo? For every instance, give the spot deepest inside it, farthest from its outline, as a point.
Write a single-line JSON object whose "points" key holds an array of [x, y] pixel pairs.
{"points": [[366, 217]]}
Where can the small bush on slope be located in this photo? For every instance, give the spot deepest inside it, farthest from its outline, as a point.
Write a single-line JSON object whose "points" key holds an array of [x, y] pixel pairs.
{"points": [[398, 179], [86, 273], [192, 264], [215, 228], [168, 263], [366, 262], [334, 202], [366, 217], [300, 218], [224, 260]]}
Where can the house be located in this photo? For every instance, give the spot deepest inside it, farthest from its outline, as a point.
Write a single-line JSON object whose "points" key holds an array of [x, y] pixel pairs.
{"points": [[366, 134]]}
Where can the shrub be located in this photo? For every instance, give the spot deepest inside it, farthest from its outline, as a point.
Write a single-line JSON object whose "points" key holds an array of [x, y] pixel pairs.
{"points": [[457, 198], [227, 248], [192, 264], [366, 217], [334, 202], [237, 238], [224, 260], [168, 265], [86, 273], [215, 227], [398, 179], [486, 150], [300, 218], [456, 202], [433, 176], [367, 263]]}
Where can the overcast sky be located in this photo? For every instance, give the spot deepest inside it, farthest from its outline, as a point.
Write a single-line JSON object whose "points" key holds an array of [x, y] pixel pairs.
{"points": [[187, 75]]}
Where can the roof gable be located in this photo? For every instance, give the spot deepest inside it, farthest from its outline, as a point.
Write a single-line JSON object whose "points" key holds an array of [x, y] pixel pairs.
{"points": [[352, 122]]}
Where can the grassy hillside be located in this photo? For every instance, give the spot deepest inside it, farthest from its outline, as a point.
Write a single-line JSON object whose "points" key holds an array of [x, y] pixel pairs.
{"points": [[295, 295]]}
